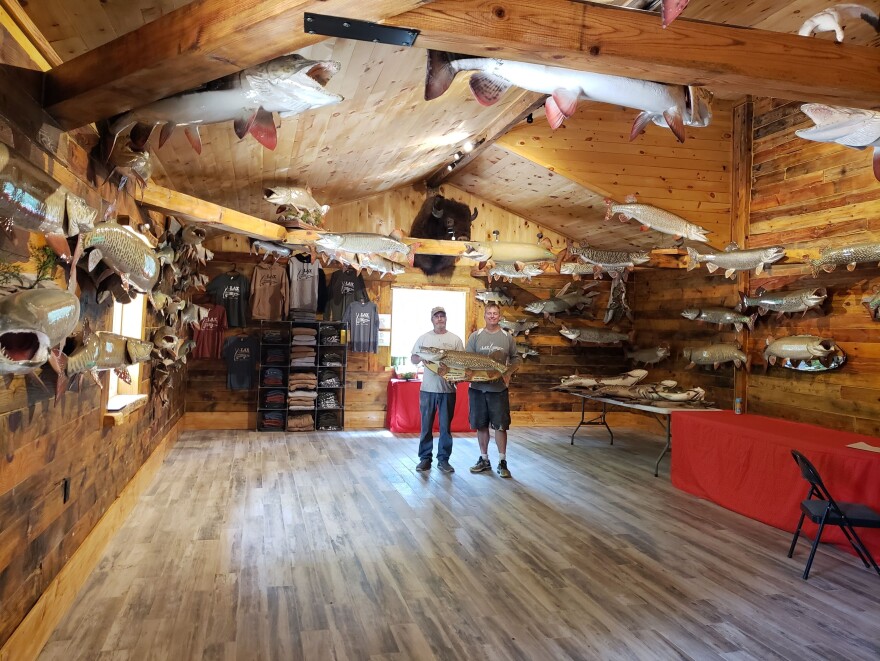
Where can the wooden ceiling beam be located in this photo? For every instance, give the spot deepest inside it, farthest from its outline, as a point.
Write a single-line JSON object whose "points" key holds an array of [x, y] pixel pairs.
{"points": [[612, 40], [198, 43], [212, 215]]}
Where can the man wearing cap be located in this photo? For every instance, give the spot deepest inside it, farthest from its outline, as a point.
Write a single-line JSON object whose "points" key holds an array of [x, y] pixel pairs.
{"points": [[436, 394]]}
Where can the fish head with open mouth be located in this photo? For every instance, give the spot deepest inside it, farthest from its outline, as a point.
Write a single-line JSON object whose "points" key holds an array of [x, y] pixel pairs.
{"points": [[31, 323], [570, 333], [293, 77], [852, 127], [329, 241], [138, 350], [690, 313]]}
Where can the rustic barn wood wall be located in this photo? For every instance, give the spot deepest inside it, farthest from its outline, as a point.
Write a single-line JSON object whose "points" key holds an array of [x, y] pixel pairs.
{"points": [[806, 195]]}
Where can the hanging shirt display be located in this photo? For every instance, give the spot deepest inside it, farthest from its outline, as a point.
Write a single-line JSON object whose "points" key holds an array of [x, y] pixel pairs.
{"points": [[345, 287], [209, 338], [240, 353], [231, 290], [363, 324], [305, 281], [269, 292]]}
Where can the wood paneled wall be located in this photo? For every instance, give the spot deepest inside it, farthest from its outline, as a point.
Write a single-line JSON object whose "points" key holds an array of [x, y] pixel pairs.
{"points": [[806, 195]]}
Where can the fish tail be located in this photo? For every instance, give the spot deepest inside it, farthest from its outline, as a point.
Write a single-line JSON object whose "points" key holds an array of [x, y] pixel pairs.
{"points": [[751, 321], [693, 259], [439, 74]]}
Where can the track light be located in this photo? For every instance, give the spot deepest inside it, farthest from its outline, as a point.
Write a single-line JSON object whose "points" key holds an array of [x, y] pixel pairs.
{"points": [[468, 147]]}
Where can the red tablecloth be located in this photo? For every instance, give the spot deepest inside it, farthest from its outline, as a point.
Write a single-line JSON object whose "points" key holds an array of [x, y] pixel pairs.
{"points": [[402, 414], [744, 463]]}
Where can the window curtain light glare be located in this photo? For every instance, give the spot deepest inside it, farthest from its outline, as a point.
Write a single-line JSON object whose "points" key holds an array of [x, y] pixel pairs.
{"points": [[128, 320], [411, 318]]}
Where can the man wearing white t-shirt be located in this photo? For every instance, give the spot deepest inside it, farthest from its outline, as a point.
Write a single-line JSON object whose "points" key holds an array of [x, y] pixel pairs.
{"points": [[436, 394]]}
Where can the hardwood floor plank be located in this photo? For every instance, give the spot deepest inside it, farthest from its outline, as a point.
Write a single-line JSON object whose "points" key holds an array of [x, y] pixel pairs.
{"points": [[332, 546]]}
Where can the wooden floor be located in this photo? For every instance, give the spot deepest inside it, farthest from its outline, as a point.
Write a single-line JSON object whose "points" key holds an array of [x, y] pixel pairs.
{"points": [[331, 546]]}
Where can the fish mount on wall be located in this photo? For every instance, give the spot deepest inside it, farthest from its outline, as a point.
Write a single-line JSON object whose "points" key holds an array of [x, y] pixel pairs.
{"points": [[672, 106], [100, 351], [831, 258], [288, 85], [294, 205], [734, 259], [850, 127], [783, 303], [616, 263], [805, 353], [833, 18], [659, 220], [716, 355], [564, 302]]}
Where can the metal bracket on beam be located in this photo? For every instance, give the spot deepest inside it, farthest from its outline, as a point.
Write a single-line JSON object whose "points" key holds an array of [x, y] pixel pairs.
{"points": [[333, 26]]}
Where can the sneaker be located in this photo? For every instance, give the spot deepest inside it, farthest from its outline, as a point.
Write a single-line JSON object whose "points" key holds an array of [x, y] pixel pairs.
{"points": [[445, 467], [481, 465], [502, 469], [424, 465]]}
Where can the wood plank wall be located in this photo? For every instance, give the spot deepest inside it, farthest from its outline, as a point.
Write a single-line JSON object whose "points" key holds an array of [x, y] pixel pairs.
{"points": [[367, 376], [806, 195]]}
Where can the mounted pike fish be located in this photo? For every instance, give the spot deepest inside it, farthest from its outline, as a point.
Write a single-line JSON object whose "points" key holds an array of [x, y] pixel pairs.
{"points": [[831, 258], [716, 355], [588, 381], [799, 347], [721, 316], [595, 335], [295, 203], [525, 350], [288, 85], [101, 351], [366, 243], [462, 365], [122, 251], [673, 106], [517, 327], [617, 306], [800, 300], [267, 248], [734, 259], [650, 356], [564, 301], [32, 201], [614, 262], [509, 272], [851, 127], [33, 323], [656, 219], [493, 296]]}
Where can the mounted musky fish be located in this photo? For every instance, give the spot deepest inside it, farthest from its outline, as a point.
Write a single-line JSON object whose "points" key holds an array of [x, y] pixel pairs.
{"points": [[33, 201], [288, 85], [800, 300], [366, 243], [594, 335], [675, 106], [831, 258], [509, 272], [613, 262], [833, 18], [648, 356], [122, 251], [656, 219], [101, 351], [799, 347], [365, 262], [33, 323], [721, 316], [734, 259], [715, 355], [462, 365], [851, 127]]}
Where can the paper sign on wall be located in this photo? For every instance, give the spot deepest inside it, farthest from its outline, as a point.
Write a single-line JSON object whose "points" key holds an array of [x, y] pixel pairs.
{"points": [[384, 338]]}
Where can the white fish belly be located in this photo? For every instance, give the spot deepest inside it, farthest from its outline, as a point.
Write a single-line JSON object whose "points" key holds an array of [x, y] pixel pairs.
{"points": [[196, 108]]}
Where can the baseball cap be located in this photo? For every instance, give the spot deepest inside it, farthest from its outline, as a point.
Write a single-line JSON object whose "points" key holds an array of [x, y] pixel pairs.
{"points": [[439, 308]]}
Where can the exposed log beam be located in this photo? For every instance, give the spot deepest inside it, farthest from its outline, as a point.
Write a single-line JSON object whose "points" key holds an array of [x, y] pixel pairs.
{"points": [[212, 215], [20, 26], [195, 44], [612, 40]]}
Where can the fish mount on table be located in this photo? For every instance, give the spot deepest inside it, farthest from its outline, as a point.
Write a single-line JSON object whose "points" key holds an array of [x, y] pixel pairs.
{"points": [[618, 264], [589, 381], [33, 201], [735, 259], [294, 205], [659, 220], [650, 356], [783, 303], [850, 127], [831, 258], [100, 351], [716, 355], [669, 106], [563, 302], [833, 18], [34, 323], [722, 317], [441, 218], [807, 353], [455, 366], [664, 391], [288, 85]]}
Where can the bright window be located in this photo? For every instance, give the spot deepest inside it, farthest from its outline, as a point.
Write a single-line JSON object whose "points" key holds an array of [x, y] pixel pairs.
{"points": [[411, 317], [128, 320]]}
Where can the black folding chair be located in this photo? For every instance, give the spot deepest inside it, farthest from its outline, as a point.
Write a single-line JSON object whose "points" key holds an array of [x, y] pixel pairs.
{"points": [[822, 509]]}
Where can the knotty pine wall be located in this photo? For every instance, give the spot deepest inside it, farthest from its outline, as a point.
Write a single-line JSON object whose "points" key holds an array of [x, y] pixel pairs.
{"points": [[210, 405], [806, 195]]}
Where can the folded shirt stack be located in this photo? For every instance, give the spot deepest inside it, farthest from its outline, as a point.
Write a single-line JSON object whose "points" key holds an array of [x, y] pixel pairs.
{"points": [[303, 380], [275, 355], [328, 420], [273, 377], [329, 379], [275, 399], [303, 336], [331, 359], [326, 400], [302, 422], [330, 335], [302, 356], [273, 337], [301, 400], [272, 420]]}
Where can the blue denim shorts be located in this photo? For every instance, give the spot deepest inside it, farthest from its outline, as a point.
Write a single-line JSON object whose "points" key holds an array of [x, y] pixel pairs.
{"points": [[489, 408]]}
